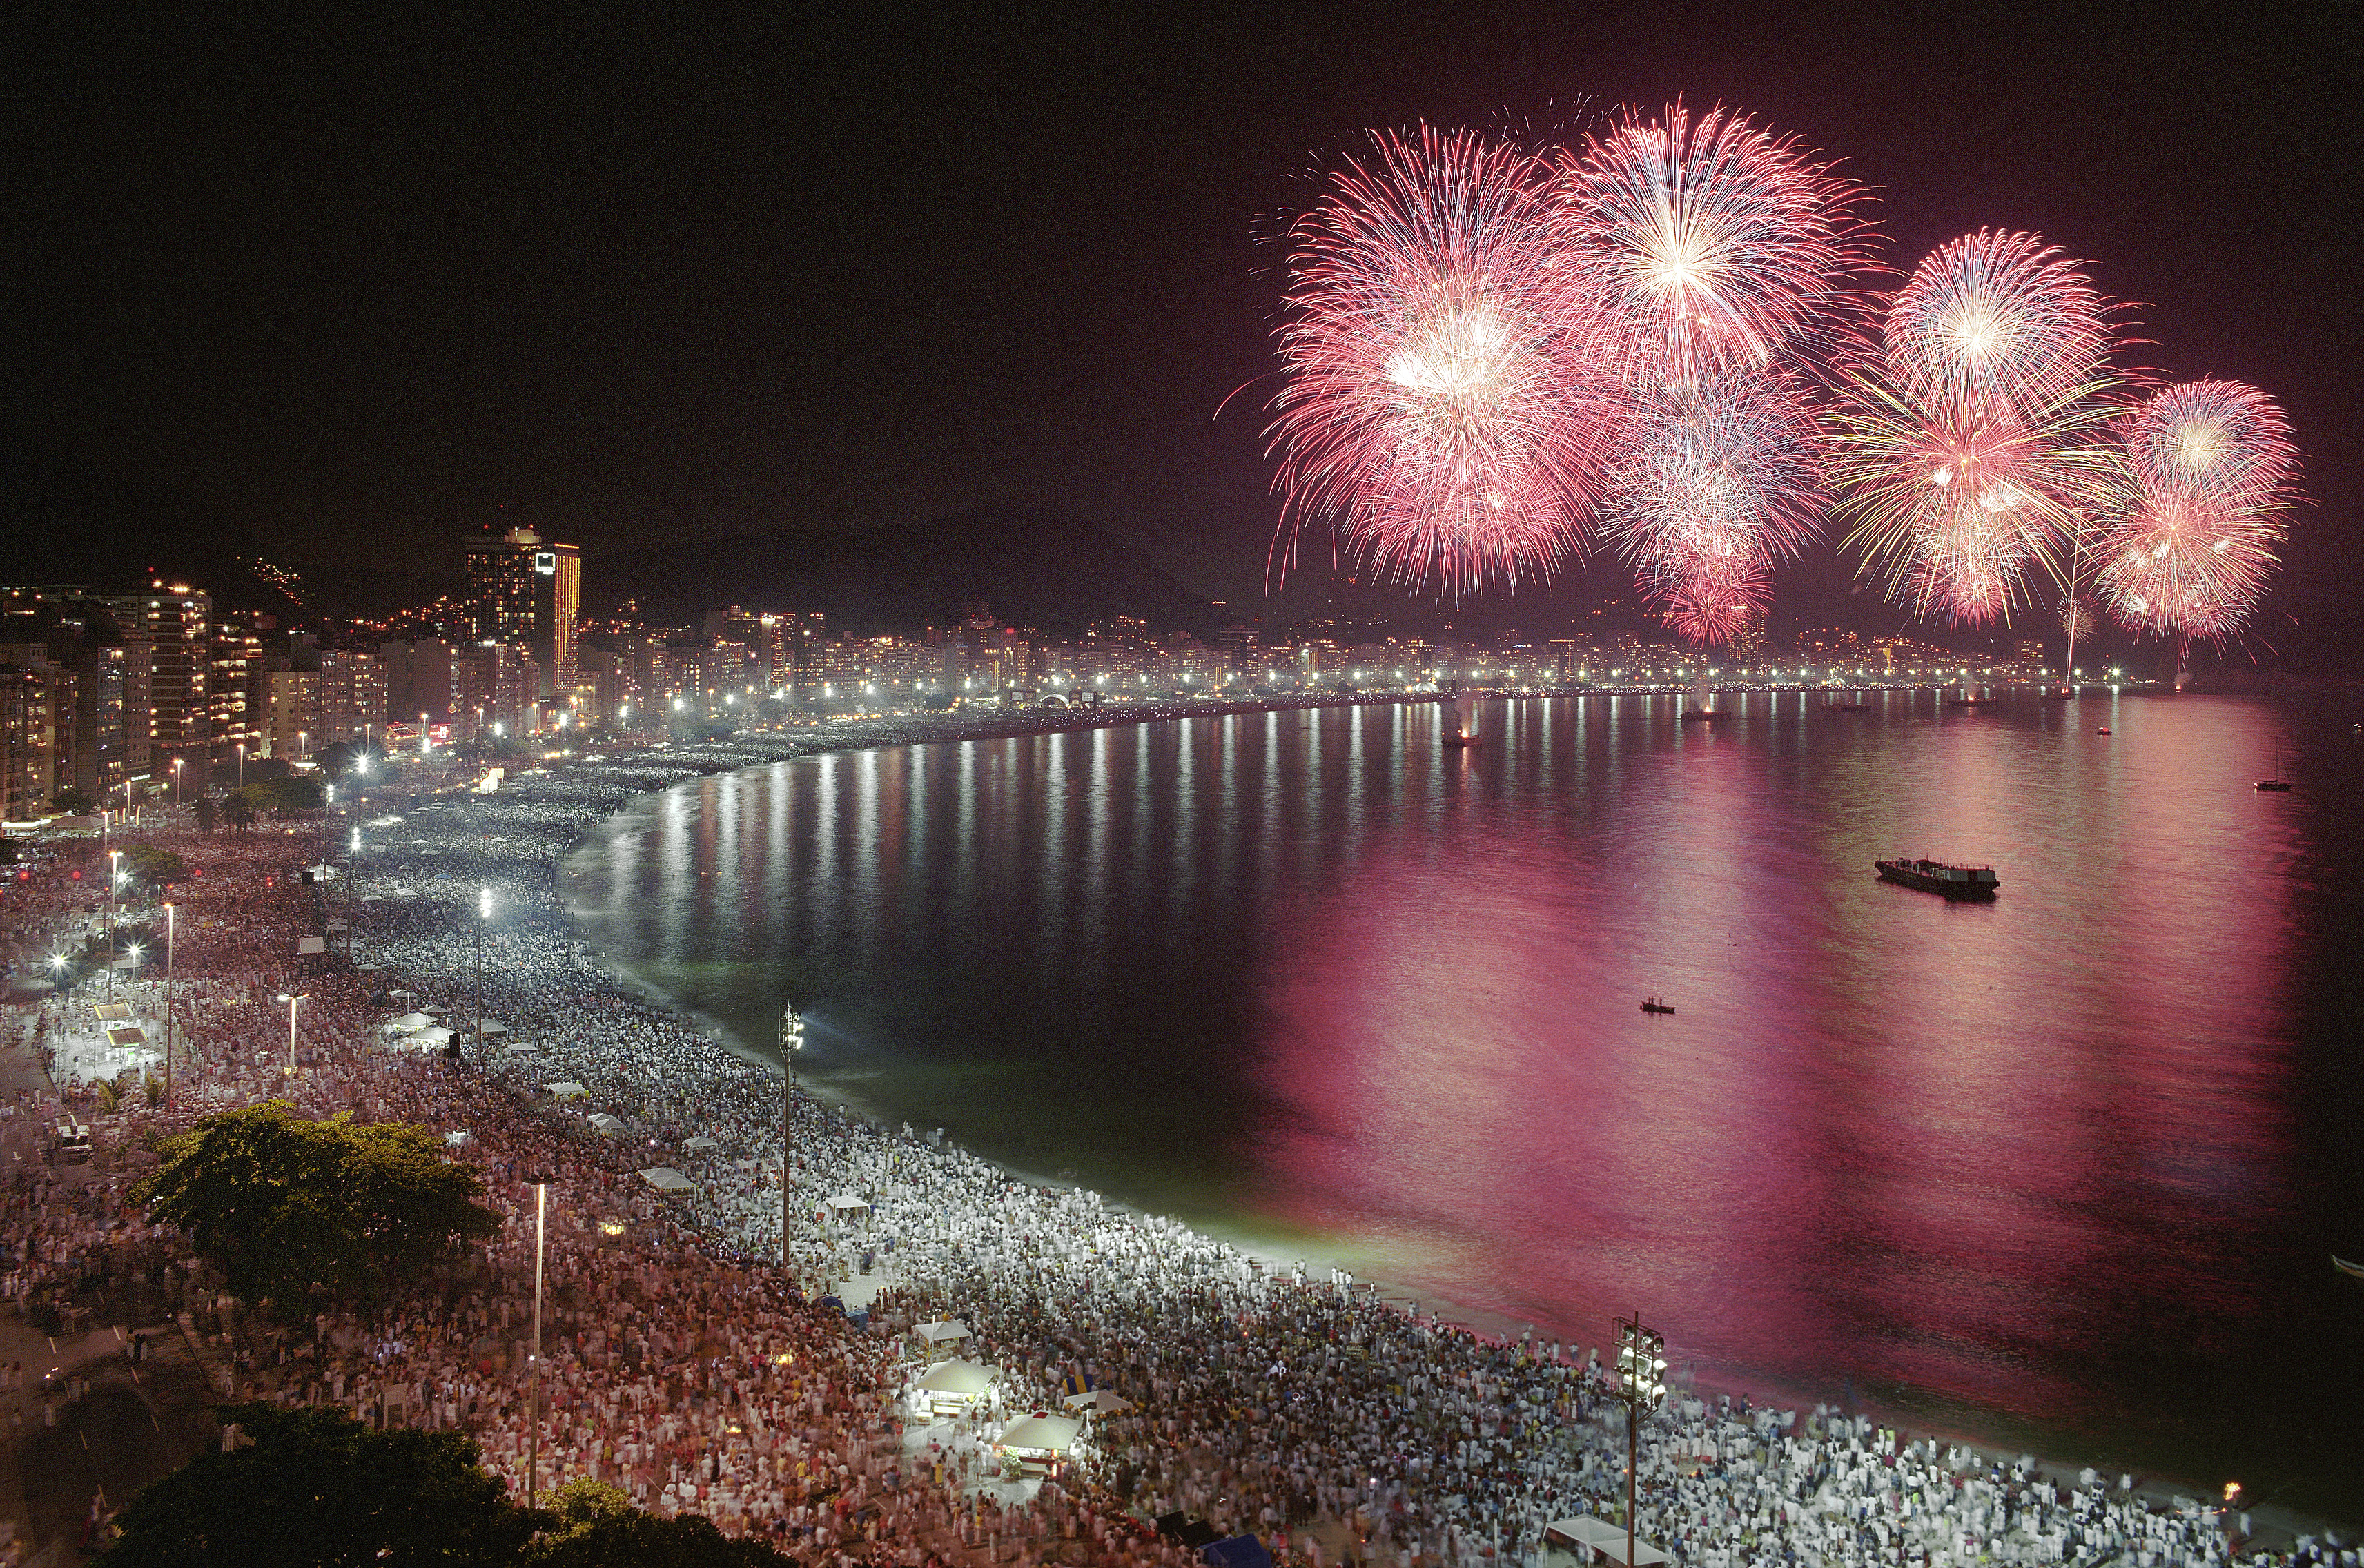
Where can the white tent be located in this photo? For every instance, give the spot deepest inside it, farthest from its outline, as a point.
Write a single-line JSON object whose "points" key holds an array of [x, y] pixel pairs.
{"points": [[961, 1379], [1609, 1540], [568, 1089], [605, 1122], [405, 1023], [949, 1328], [519, 1048], [1048, 1434], [493, 1027], [700, 1144], [667, 1180], [434, 1038], [1106, 1401], [847, 1202]]}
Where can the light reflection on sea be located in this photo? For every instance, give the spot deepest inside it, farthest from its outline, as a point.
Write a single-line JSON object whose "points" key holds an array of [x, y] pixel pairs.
{"points": [[2064, 1169]]}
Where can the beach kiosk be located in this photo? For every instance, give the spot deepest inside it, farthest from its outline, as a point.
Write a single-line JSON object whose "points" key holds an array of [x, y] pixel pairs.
{"points": [[1039, 1443], [1594, 1540], [949, 1387], [942, 1338]]}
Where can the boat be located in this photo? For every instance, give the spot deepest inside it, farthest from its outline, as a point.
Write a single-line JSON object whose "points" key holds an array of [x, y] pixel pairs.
{"points": [[1459, 740], [1709, 714], [2276, 784], [1937, 876], [2345, 1267], [2103, 730], [1655, 1005]]}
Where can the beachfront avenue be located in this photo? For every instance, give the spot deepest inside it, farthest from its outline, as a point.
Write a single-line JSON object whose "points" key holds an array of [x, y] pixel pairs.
{"points": [[686, 1366]]}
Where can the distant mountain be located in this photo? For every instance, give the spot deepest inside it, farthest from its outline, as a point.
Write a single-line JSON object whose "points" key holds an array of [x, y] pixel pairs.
{"points": [[67, 523], [1035, 567]]}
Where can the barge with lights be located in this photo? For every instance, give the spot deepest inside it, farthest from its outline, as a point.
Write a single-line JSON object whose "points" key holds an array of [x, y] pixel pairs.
{"points": [[1936, 877]]}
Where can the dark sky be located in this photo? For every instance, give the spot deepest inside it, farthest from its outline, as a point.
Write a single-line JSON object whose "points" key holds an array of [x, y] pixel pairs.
{"points": [[365, 275]]}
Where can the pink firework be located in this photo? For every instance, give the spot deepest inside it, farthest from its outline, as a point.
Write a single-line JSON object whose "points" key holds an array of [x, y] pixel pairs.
{"points": [[1438, 404], [1995, 317], [2209, 479], [1703, 245], [1965, 454], [1718, 481]]}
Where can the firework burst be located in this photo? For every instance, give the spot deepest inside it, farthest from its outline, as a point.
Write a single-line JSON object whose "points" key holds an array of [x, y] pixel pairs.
{"points": [[1702, 246], [2209, 469], [1718, 481], [1971, 438], [1438, 404], [1995, 317]]}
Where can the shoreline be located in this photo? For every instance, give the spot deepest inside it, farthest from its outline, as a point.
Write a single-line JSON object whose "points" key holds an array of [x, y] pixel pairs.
{"points": [[1439, 1305]]}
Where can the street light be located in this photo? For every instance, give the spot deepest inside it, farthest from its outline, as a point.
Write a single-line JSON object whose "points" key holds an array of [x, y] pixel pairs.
{"points": [[533, 1440], [1641, 1387], [169, 913], [483, 913], [242, 764], [293, 1003], [791, 1040], [177, 780]]}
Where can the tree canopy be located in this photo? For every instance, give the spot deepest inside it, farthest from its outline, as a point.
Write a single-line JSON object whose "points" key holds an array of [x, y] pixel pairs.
{"points": [[153, 865], [315, 1488], [592, 1525], [293, 1210]]}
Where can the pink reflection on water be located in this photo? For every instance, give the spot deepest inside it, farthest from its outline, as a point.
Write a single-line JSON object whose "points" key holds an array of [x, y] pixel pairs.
{"points": [[1882, 1132]]}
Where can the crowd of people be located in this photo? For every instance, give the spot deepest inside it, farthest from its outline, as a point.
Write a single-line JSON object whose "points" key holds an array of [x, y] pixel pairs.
{"points": [[746, 1348]]}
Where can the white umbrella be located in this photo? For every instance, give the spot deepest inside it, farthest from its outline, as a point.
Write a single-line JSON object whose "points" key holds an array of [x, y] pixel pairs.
{"points": [[1101, 1399]]}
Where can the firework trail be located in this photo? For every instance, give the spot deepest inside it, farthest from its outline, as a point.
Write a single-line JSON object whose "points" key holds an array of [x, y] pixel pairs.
{"points": [[2209, 473], [1702, 246], [1438, 404], [1718, 481], [1970, 438]]}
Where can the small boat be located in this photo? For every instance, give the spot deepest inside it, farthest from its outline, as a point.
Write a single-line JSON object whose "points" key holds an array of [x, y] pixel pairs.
{"points": [[2103, 730], [1655, 1005], [2345, 1267], [1709, 714], [1458, 738], [2276, 784], [1953, 882]]}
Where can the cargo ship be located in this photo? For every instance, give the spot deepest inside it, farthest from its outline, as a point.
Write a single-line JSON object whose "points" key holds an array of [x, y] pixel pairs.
{"points": [[1937, 876]]}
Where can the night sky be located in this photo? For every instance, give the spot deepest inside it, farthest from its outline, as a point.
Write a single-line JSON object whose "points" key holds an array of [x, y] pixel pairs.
{"points": [[365, 276]]}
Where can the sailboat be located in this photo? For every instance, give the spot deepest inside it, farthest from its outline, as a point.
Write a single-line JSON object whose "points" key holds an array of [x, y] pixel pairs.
{"points": [[2276, 783]]}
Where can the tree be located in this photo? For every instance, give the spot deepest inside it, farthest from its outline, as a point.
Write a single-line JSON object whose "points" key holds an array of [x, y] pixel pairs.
{"points": [[238, 811], [75, 801], [314, 1488], [336, 758], [153, 865], [293, 793], [593, 1526], [294, 1211], [204, 813]]}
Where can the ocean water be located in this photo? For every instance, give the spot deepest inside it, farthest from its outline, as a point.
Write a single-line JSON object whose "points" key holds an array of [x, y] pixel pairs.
{"points": [[2064, 1172]]}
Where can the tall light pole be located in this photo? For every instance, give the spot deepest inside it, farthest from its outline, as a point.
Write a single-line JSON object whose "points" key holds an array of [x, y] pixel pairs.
{"points": [[177, 780], [483, 913], [114, 892], [1641, 1387], [242, 764], [533, 1439], [169, 913], [791, 1040], [293, 1003]]}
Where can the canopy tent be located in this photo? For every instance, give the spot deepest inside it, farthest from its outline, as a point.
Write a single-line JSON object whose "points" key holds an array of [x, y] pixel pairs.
{"points": [[700, 1144], [434, 1038], [493, 1027], [847, 1202], [605, 1122], [519, 1048], [568, 1089], [405, 1023], [667, 1180], [1106, 1400], [960, 1378], [1050, 1434], [1235, 1551], [947, 1328], [1606, 1538]]}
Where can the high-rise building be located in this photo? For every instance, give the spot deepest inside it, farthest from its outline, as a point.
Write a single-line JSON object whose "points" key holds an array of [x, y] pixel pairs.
{"points": [[173, 620], [352, 697], [36, 733], [418, 677], [525, 592]]}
